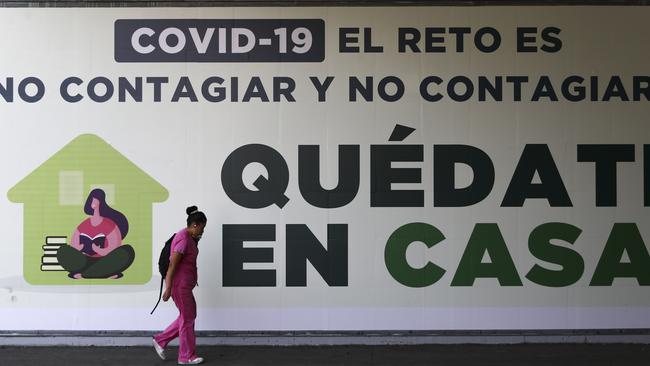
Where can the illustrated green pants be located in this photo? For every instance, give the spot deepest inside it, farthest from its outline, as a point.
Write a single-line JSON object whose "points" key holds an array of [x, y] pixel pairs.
{"points": [[114, 263]]}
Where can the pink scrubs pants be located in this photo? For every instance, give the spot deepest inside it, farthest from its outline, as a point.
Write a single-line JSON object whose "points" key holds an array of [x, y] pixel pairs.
{"points": [[183, 326]]}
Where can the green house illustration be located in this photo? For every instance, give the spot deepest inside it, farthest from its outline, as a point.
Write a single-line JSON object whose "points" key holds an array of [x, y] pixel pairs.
{"points": [[56, 201]]}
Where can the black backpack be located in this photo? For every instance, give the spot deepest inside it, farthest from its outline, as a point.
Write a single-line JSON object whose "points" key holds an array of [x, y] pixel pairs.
{"points": [[163, 265]]}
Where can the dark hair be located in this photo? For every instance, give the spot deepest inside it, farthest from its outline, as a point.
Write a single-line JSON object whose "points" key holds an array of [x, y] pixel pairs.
{"points": [[194, 216], [106, 211]]}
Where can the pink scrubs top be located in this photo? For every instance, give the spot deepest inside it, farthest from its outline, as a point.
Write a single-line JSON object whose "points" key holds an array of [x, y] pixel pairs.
{"points": [[185, 273]]}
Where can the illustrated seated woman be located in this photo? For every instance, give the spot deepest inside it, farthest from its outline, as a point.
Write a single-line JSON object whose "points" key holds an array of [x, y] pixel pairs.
{"points": [[96, 249]]}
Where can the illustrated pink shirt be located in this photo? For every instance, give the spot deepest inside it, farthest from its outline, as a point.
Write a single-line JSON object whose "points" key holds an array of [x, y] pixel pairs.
{"points": [[186, 273], [89, 235]]}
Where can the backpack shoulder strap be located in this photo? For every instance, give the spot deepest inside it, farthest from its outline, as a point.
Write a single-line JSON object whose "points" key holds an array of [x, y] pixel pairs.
{"points": [[162, 281]]}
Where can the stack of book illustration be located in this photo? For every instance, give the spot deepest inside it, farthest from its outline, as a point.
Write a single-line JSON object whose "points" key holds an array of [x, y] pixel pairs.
{"points": [[49, 262]]}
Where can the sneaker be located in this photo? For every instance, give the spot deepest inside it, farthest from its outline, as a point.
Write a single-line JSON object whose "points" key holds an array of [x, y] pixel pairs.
{"points": [[192, 361], [159, 350]]}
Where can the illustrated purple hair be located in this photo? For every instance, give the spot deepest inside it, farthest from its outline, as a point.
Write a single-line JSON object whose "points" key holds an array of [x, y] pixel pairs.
{"points": [[106, 211]]}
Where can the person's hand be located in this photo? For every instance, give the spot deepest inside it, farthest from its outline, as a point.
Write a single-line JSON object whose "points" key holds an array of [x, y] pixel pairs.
{"points": [[167, 294]]}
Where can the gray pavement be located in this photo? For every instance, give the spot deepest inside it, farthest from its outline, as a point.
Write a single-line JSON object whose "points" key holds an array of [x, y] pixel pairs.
{"points": [[456, 355]]}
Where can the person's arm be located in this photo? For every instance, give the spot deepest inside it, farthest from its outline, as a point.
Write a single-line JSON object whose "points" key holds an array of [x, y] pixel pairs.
{"points": [[74, 242], [176, 258], [113, 240]]}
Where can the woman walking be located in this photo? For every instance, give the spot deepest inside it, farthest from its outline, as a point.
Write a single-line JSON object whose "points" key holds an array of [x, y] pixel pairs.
{"points": [[179, 282]]}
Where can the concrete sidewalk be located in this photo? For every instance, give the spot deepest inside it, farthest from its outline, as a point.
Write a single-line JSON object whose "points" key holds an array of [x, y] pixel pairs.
{"points": [[456, 355]]}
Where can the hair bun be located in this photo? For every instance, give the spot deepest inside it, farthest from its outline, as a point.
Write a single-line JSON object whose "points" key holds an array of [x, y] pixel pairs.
{"points": [[190, 210]]}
